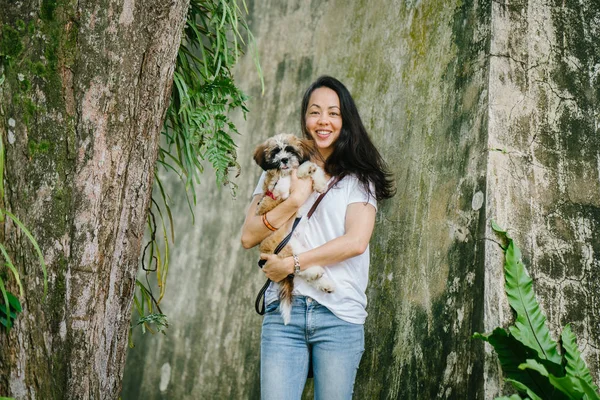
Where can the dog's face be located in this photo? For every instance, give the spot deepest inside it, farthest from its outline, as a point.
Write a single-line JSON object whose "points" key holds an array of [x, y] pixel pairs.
{"points": [[283, 152]]}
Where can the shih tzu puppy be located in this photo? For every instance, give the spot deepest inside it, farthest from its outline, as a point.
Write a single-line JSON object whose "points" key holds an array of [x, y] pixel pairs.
{"points": [[278, 156]]}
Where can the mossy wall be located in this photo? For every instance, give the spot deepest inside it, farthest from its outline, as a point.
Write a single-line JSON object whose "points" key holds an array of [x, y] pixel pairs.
{"points": [[426, 80], [544, 163]]}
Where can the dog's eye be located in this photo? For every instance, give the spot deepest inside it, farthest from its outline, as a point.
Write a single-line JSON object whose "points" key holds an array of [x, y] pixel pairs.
{"points": [[275, 151], [289, 149]]}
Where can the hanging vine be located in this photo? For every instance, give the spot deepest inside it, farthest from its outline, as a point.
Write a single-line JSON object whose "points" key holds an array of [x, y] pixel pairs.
{"points": [[197, 130]]}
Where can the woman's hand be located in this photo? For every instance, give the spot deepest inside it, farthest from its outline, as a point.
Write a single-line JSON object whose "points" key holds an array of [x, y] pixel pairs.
{"points": [[277, 268], [300, 189]]}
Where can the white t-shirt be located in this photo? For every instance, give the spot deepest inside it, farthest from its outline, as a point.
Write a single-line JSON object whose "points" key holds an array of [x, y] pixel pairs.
{"points": [[350, 277]]}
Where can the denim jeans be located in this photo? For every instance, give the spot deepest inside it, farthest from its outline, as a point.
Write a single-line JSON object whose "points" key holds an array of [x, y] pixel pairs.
{"points": [[336, 347]]}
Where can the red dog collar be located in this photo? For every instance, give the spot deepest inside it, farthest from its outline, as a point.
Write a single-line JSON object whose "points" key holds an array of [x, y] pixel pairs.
{"points": [[270, 194]]}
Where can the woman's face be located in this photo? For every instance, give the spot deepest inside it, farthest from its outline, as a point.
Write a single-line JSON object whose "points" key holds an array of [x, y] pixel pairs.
{"points": [[324, 119]]}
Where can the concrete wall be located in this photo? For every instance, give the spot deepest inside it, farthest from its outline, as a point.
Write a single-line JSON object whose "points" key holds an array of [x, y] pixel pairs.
{"points": [[544, 161], [440, 86]]}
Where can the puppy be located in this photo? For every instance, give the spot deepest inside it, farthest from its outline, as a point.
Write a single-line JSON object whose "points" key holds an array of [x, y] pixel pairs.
{"points": [[278, 156]]}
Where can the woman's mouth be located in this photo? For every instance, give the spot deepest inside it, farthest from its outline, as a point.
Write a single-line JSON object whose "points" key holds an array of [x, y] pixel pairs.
{"points": [[322, 133]]}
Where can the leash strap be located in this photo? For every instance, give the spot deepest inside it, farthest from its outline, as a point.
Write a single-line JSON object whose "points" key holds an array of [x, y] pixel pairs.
{"points": [[260, 309], [259, 304]]}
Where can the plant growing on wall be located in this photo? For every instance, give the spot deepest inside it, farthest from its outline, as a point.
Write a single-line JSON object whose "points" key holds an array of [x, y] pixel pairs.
{"points": [[197, 128], [528, 355]]}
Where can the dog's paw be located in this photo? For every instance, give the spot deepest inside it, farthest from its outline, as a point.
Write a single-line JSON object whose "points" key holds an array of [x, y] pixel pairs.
{"points": [[319, 185], [312, 274], [319, 180], [324, 285], [306, 169]]}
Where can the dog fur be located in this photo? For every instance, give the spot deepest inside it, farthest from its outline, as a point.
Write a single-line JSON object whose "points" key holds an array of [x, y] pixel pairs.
{"points": [[278, 156]]}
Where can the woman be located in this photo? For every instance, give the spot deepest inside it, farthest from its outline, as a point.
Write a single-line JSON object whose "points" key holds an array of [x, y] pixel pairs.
{"points": [[326, 328]]}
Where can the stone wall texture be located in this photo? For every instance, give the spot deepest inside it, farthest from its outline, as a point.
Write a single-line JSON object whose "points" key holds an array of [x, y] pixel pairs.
{"points": [[484, 110]]}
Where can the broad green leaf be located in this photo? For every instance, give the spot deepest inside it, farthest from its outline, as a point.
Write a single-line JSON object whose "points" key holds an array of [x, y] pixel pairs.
{"points": [[3, 312], [568, 385], [14, 302], [524, 389], [575, 365], [530, 325], [497, 227], [511, 354], [513, 397], [590, 392]]}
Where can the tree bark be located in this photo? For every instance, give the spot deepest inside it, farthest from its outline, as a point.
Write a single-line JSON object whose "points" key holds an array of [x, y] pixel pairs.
{"points": [[86, 90]]}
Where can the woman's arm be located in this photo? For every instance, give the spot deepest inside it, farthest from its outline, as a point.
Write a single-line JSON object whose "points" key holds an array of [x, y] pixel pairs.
{"points": [[359, 224], [254, 230]]}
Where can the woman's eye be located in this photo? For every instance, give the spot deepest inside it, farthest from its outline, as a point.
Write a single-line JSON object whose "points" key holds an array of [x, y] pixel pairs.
{"points": [[334, 114], [314, 113]]}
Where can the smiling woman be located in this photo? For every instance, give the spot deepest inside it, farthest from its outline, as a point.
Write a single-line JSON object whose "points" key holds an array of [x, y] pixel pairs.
{"points": [[323, 119], [325, 332]]}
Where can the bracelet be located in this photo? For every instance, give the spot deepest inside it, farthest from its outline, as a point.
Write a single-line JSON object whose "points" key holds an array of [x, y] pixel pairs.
{"points": [[267, 224], [296, 264]]}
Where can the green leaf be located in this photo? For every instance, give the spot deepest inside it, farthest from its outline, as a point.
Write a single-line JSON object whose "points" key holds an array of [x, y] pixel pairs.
{"points": [[2, 169], [6, 322], [160, 320], [12, 268], [524, 389], [14, 302], [497, 228], [568, 385], [590, 392], [575, 365], [513, 353], [513, 397], [35, 246], [530, 325]]}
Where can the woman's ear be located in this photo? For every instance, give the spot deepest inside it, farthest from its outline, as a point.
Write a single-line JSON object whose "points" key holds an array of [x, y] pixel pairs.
{"points": [[259, 156]]}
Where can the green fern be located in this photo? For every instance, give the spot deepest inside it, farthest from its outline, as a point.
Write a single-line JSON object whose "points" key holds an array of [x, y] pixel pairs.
{"points": [[530, 325], [511, 354], [513, 397], [568, 385], [528, 355], [574, 364], [197, 129]]}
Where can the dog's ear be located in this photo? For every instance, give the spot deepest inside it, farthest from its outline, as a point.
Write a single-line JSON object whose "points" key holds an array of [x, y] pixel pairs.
{"points": [[260, 157], [307, 149]]}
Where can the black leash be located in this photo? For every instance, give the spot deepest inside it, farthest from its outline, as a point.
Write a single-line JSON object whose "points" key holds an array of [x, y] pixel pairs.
{"points": [[261, 295]]}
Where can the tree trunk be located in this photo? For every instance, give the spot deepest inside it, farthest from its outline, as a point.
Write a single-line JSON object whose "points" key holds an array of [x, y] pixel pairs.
{"points": [[87, 85]]}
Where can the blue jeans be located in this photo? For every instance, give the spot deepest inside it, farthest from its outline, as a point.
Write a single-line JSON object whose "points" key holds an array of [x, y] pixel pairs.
{"points": [[336, 347]]}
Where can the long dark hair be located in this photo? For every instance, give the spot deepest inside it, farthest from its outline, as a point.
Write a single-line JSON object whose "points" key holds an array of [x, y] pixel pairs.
{"points": [[353, 152]]}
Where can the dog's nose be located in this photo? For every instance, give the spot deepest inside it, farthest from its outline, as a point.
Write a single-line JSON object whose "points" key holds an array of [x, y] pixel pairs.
{"points": [[284, 160]]}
